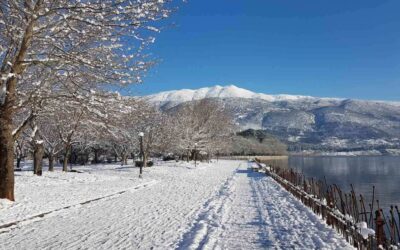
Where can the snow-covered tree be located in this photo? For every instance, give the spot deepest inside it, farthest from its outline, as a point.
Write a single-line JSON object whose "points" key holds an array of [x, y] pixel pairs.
{"points": [[205, 124], [70, 45], [38, 150], [157, 132], [21, 150], [52, 142]]}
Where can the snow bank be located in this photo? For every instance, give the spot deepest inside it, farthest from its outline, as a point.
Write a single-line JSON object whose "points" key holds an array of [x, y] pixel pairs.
{"points": [[364, 230]]}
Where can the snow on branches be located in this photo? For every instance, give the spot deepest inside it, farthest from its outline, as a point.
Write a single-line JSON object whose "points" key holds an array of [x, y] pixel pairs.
{"points": [[204, 123], [56, 53], [47, 46], [97, 38]]}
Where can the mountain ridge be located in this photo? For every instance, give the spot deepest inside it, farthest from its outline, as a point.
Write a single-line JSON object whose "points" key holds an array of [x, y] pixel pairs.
{"points": [[309, 123], [232, 91]]}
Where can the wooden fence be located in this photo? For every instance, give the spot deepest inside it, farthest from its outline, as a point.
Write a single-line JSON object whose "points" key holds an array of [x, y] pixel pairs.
{"points": [[343, 212]]}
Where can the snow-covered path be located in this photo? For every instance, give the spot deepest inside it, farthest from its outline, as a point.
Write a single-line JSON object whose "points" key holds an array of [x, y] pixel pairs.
{"points": [[152, 216], [215, 206], [254, 212]]}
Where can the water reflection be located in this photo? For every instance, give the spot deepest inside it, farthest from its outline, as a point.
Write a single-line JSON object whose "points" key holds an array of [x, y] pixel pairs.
{"points": [[363, 172]]}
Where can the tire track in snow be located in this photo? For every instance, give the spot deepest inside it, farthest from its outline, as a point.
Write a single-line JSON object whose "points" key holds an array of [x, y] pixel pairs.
{"points": [[243, 221], [209, 218], [251, 211], [9, 226]]}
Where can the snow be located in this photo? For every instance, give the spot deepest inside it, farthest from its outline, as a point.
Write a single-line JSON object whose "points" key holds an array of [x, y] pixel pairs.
{"points": [[364, 230], [393, 151], [231, 91], [347, 154], [219, 205], [5, 77], [253, 212], [5, 204], [343, 123], [3, 91]]}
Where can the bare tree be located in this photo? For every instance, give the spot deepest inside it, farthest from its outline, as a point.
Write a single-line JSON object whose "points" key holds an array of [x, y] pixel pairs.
{"points": [[157, 133], [21, 150], [205, 124], [125, 125], [73, 45], [52, 142]]}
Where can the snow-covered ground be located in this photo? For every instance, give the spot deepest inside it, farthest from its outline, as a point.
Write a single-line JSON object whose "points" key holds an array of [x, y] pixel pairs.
{"points": [[221, 205]]}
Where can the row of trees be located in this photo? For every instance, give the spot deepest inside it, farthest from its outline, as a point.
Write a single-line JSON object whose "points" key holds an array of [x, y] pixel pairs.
{"points": [[56, 59], [256, 142], [113, 130]]}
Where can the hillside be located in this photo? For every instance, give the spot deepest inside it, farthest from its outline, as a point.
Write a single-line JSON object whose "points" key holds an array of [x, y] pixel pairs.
{"points": [[303, 122]]}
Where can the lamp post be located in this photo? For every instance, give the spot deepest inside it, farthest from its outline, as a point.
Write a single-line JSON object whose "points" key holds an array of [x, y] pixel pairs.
{"points": [[195, 155], [141, 134]]}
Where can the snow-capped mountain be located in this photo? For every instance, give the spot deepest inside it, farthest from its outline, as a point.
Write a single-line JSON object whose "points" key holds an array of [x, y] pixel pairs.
{"points": [[231, 91], [309, 122]]}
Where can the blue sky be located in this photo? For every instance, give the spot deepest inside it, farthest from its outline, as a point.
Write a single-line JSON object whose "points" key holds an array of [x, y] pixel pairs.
{"points": [[338, 48]]}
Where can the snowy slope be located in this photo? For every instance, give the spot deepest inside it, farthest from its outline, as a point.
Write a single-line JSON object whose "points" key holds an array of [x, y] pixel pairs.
{"points": [[316, 123], [231, 91]]}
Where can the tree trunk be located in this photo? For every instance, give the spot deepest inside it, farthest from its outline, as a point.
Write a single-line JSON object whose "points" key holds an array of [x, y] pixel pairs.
{"points": [[6, 154], [66, 157], [6, 116], [85, 158], [51, 162], [38, 159], [73, 157], [124, 159], [19, 159], [144, 160], [96, 156]]}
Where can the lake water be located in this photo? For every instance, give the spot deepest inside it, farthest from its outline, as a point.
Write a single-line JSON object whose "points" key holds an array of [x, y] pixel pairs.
{"points": [[362, 171]]}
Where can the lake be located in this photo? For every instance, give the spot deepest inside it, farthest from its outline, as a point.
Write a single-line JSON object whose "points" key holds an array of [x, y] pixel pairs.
{"points": [[361, 171]]}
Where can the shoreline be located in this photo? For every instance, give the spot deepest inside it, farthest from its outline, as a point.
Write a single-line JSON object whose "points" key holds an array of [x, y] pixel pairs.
{"points": [[345, 154]]}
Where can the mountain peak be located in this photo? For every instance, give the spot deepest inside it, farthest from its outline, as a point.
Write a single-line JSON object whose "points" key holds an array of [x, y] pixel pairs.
{"points": [[229, 91], [217, 91]]}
